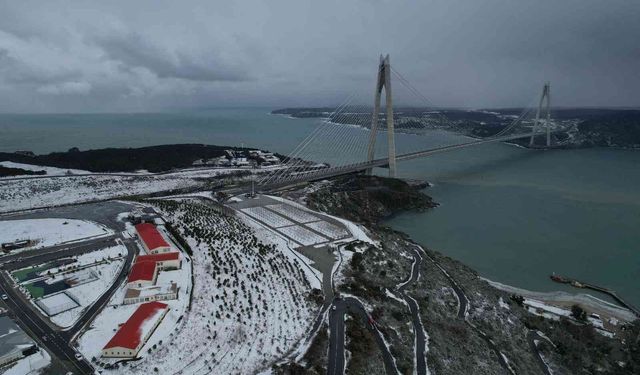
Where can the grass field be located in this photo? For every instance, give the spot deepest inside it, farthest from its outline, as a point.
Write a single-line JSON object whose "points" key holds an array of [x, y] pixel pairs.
{"points": [[28, 273], [35, 291]]}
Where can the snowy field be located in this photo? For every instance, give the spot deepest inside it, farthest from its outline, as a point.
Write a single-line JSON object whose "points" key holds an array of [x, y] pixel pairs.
{"points": [[303, 236], [25, 194], [46, 192], [293, 213], [249, 307], [267, 217], [32, 364], [357, 231], [49, 232], [51, 171], [327, 229]]}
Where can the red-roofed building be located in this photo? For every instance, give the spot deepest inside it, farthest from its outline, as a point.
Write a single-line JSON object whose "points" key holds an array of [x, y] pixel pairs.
{"points": [[164, 261], [142, 274], [152, 240], [135, 332]]}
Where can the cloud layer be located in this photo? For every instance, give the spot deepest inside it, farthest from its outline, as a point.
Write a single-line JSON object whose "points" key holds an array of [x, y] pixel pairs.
{"points": [[161, 55]]}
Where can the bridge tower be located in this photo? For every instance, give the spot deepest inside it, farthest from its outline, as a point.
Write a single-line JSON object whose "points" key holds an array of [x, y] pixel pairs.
{"points": [[383, 81], [546, 92]]}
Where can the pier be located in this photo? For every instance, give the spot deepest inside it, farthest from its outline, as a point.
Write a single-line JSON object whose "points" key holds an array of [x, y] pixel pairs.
{"points": [[580, 284]]}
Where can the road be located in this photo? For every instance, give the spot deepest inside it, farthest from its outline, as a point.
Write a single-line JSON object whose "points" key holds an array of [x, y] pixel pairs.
{"points": [[336, 339], [97, 306], [418, 328], [59, 342], [463, 305], [37, 256], [40, 331], [531, 337], [325, 173]]}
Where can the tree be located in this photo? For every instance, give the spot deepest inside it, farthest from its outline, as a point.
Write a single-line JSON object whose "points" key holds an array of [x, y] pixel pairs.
{"points": [[517, 299], [578, 312]]}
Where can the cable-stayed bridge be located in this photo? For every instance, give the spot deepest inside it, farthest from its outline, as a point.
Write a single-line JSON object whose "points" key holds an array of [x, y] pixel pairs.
{"points": [[347, 140]]}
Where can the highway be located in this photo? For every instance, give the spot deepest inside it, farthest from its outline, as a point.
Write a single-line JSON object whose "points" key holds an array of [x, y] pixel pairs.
{"points": [[301, 175]]}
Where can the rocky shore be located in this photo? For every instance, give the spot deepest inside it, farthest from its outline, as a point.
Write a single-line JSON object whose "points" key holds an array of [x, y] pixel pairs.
{"points": [[369, 199], [472, 326]]}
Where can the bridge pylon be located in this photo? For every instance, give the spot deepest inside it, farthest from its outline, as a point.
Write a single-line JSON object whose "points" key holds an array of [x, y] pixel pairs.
{"points": [[546, 94], [383, 82]]}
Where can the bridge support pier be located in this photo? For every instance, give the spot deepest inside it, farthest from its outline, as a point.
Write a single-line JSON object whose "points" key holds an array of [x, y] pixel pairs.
{"points": [[546, 92], [383, 82]]}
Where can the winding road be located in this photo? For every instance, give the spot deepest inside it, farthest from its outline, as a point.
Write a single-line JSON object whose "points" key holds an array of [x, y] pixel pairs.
{"points": [[463, 312], [418, 328], [336, 339]]}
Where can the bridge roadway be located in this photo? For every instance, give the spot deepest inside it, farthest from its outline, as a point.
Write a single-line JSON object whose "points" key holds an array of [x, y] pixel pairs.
{"points": [[325, 173]]}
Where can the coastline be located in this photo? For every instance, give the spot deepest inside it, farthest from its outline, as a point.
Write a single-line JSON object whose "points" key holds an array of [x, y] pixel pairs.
{"points": [[565, 300]]}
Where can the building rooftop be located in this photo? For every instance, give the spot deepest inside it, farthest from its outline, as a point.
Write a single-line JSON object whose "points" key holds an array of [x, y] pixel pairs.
{"points": [[151, 291], [174, 255], [150, 236], [12, 338], [144, 270], [132, 332]]}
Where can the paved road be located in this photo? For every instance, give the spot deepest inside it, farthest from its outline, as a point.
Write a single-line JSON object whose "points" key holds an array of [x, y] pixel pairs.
{"points": [[38, 256], [418, 328], [336, 339], [105, 213], [59, 342], [462, 314], [40, 331], [93, 311], [531, 336]]}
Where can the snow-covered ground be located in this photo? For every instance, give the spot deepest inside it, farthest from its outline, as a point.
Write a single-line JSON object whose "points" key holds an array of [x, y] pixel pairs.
{"points": [[293, 213], [301, 235], [32, 364], [30, 193], [357, 231], [49, 232], [329, 230], [250, 303], [51, 171], [267, 217], [44, 192], [543, 309]]}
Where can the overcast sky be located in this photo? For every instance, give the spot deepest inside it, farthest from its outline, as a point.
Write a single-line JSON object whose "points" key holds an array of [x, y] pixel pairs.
{"points": [[84, 56]]}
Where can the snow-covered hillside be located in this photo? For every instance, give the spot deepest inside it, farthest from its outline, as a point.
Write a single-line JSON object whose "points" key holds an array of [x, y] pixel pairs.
{"points": [[250, 299]]}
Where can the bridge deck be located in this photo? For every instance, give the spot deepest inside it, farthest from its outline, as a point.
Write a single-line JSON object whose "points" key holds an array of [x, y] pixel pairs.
{"points": [[322, 174]]}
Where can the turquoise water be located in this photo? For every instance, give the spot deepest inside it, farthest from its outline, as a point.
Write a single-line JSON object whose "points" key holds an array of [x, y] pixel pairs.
{"points": [[514, 215], [518, 215]]}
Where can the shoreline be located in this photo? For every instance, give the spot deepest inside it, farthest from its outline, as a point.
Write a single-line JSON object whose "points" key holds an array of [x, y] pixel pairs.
{"points": [[566, 300]]}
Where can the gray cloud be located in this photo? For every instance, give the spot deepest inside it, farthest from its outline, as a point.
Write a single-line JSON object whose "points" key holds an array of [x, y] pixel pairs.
{"points": [[153, 55], [134, 51]]}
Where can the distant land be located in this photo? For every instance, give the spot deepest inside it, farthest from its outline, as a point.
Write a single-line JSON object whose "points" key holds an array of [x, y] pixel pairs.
{"points": [[595, 127], [153, 158]]}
